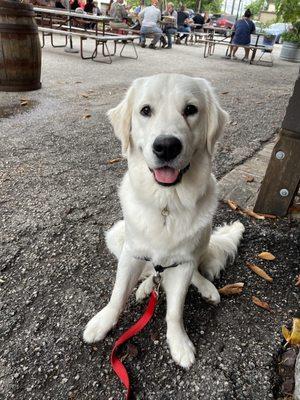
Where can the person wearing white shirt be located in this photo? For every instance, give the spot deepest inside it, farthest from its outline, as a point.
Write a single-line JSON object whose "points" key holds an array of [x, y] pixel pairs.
{"points": [[149, 18]]}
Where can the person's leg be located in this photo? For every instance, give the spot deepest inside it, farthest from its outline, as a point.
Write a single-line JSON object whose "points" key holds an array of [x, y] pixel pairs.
{"points": [[170, 32], [143, 33], [247, 50], [157, 35], [235, 48]]}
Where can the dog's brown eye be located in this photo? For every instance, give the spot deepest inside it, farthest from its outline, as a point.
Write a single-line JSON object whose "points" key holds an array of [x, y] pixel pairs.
{"points": [[146, 111], [190, 109]]}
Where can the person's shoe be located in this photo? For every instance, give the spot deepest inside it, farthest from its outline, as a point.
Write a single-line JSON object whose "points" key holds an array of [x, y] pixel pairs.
{"points": [[234, 57], [178, 41], [164, 45], [228, 57], [152, 46], [246, 60], [169, 47], [143, 45]]}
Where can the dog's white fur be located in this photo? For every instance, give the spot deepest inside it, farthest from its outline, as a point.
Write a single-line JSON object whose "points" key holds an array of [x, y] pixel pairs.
{"points": [[184, 235]]}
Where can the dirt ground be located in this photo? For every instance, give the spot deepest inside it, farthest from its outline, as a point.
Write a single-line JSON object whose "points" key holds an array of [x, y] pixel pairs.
{"points": [[57, 197]]}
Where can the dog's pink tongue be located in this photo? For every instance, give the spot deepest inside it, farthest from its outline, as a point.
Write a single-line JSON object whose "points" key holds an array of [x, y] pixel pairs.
{"points": [[166, 175]]}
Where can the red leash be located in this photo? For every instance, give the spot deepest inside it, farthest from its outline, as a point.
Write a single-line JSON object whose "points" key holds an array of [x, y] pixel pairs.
{"points": [[116, 363]]}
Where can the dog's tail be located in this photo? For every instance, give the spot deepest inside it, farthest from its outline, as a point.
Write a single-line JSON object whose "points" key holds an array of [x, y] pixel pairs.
{"points": [[222, 246], [115, 237]]}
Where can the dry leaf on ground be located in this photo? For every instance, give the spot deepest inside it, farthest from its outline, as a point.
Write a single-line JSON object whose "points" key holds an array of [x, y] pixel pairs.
{"points": [[84, 95], [259, 271], [232, 204], [24, 103], [224, 92], [260, 303], [272, 216], [297, 281], [86, 116], [253, 214], [115, 160], [132, 350], [249, 178], [265, 255], [233, 288], [233, 123], [292, 337]]}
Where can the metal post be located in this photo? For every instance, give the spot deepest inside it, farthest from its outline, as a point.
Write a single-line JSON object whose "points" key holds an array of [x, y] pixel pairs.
{"points": [[70, 49]]}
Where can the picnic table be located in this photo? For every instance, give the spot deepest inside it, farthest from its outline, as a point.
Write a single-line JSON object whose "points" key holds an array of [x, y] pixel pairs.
{"points": [[83, 26], [257, 43]]}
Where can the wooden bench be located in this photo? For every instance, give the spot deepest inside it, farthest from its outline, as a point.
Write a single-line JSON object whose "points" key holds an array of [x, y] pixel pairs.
{"points": [[102, 40]]}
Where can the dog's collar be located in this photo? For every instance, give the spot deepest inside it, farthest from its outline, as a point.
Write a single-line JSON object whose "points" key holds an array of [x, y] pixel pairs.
{"points": [[159, 268]]}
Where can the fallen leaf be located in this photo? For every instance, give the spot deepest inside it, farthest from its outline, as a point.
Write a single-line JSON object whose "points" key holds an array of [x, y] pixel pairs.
{"points": [[233, 288], [23, 99], [297, 280], [265, 255], [269, 216], [84, 95], [86, 116], [253, 214], [24, 103], [224, 92], [292, 337], [261, 304], [259, 271], [249, 178], [232, 204], [233, 123], [78, 82], [115, 160], [132, 350], [95, 348]]}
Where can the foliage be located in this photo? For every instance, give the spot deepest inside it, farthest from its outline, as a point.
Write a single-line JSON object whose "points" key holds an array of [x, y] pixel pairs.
{"points": [[256, 6], [293, 35], [288, 10], [211, 6]]}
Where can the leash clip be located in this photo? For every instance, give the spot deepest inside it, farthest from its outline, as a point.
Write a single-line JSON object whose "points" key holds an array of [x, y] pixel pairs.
{"points": [[157, 282]]}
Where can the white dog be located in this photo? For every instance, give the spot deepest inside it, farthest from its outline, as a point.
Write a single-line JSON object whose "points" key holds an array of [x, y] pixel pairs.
{"points": [[168, 125]]}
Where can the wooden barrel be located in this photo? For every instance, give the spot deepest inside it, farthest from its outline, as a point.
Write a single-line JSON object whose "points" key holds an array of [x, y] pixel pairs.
{"points": [[20, 49]]}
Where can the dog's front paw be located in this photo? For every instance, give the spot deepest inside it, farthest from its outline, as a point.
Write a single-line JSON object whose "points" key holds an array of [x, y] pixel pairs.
{"points": [[207, 289], [144, 289], [98, 327], [182, 349], [210, 293]]}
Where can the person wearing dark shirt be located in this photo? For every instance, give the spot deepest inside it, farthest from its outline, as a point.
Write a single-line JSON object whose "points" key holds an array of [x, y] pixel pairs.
{"points": [[243, 28], [75, 5], [183, 24], [198, 19], [89, 6], [58, 4]]}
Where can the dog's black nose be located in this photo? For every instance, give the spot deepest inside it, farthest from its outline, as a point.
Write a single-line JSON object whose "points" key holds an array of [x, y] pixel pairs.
{"points": [[166, 148]]}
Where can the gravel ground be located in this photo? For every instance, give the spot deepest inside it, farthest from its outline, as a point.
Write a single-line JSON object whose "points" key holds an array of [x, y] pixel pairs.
{"points": [[57, 197]]}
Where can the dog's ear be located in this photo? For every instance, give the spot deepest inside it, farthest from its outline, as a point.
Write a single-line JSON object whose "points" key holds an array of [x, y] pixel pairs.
{"points": [[120, 118], [216, 117]]}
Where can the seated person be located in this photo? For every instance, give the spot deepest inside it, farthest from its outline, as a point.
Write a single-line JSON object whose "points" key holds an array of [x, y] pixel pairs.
{"points": [[96, 9], [149, 18], [88, 8], [171, 26], [183, 23], [120, 15], [243, 28], [58, 4], [198, 20]]}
